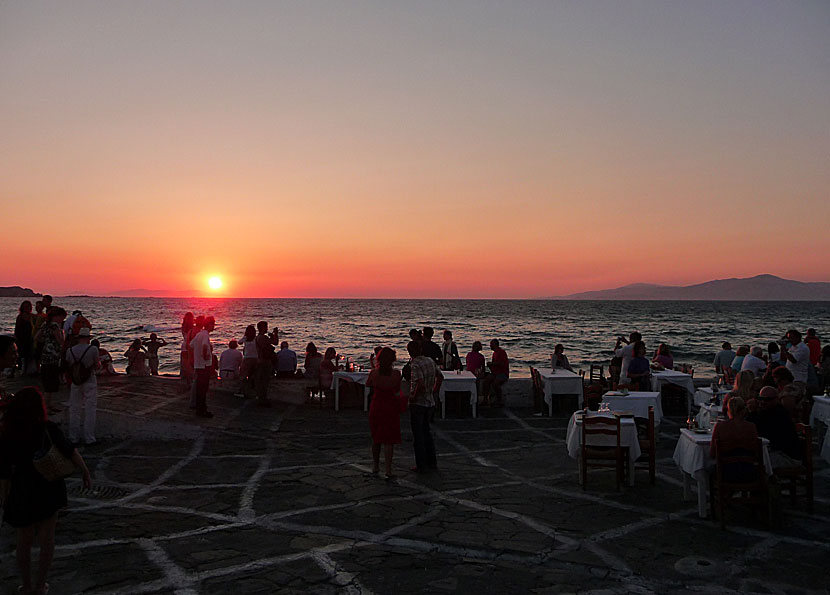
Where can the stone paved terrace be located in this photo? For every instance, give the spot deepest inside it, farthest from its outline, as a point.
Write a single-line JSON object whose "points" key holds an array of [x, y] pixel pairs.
{"points": [[280, 501]]}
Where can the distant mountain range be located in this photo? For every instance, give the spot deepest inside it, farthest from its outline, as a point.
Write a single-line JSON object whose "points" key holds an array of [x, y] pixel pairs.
{"points": [[17, 291], [154, 293], [758, 288]]}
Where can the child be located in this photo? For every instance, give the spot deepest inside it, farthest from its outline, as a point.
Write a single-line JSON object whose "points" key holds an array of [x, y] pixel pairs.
{"points": [[152, 344]]}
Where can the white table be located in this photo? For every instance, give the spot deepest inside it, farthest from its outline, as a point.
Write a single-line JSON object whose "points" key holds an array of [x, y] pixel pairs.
{"points": [[635, 402], [825, 449], [708, 414], [820, 411], [560, 381], [359, 377], [673, 377], [628, 439], [463, 382], [703, 395], [692, 457]]}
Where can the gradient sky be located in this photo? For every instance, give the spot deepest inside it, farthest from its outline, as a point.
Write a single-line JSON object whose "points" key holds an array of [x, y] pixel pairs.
{"points": [[408, 149]]}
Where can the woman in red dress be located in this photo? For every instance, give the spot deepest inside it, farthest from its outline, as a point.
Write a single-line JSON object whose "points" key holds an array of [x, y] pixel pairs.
{"points": [[385, 412]]}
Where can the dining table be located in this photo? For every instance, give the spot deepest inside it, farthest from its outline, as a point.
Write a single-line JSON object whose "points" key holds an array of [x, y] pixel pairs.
{"points": [[704, 395], [628, 439], [661, 377], [559, 381], [458, 381], [821, 413], [636, 402], [695, 462], [358, 377]]}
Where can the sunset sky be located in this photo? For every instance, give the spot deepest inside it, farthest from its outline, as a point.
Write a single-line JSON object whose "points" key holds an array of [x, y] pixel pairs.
{"points": [[412, 149]]}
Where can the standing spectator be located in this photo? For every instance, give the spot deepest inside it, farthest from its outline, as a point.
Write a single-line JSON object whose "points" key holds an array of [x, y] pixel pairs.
{"points": [[230, 362], [33, 503], [475, 361], [499, 373], [425, 379], [559, 359], [797, 356], [286, 362], [203, 366], [39, 320], [249, 360], [83, 360], [265, 362], [814, 345], [754, 362], [824, 367], [626, 354], [152, 344], [373, 358], [327, 369], [23, 336], [430, 347], [186, 358], [51, 334], [385, 411], [449, 353]]}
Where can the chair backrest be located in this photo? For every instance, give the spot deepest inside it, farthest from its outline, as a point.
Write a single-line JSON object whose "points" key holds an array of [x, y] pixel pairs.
{"points": [[805, 434], [645, 426], [533, 379], [740, 465], [595, 374], [537, 381], [604, 425]]}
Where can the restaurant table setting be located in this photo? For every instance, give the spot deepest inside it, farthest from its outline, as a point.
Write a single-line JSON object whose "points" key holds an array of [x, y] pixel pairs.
{"points": [[359, 377], [673, 377], [692, 458], [628, 438], [461, 381], [635, 402], [703, 395], [559, 381]]}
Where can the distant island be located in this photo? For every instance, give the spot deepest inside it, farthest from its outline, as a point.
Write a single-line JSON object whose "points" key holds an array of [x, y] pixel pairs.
{"points": [[17, 291], [758, 288]]}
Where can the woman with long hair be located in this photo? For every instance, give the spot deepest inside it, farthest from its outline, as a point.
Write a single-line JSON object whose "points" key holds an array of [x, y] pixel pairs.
{"points": [[137, 359], [33, 502], [385, 411], [743, 388], [249, 359], [312, 361]]}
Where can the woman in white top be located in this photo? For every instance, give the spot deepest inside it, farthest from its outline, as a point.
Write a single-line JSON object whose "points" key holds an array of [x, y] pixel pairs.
{"points": [[249, 359]]}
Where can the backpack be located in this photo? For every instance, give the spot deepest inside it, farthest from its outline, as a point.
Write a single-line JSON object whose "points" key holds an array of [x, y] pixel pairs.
{"points": [[79, 323], [78, 371]]}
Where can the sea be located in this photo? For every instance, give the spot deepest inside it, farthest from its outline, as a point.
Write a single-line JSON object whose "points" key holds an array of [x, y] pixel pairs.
{"points": [[527, 329]]}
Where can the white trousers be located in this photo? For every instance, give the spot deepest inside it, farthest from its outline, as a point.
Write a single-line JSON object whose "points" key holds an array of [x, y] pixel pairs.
{"points": [[83, 398]]}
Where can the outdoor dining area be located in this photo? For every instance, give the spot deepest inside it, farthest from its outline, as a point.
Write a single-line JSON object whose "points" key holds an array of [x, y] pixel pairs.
{"points": [[609, 425]]}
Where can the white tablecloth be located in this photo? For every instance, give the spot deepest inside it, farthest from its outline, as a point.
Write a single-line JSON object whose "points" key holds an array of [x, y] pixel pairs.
{"points": [[628, 439], [636, 403], [673, 377], [821, 410], [708, 414], [825, 450], [464, 382], [359, 377], [692, 457], [703, 395], [560, 382]]}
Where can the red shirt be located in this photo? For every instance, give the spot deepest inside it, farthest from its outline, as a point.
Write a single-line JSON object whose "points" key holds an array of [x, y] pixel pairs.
{"points": [[815, 349], [500, 363]]}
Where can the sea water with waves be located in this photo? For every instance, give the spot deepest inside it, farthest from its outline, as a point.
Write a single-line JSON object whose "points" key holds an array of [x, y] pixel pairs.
{"points": [[527, 329]]}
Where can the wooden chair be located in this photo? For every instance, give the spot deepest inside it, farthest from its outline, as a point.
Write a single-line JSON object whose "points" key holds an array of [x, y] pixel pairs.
{"points": [[537, 391], [739, 478], [648, 442], [592, 396], [604, 456], [801, 476], [315, 391], [595, 374]]}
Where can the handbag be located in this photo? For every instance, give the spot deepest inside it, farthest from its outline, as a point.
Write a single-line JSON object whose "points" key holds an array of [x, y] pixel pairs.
{"points": [[50, 462]]}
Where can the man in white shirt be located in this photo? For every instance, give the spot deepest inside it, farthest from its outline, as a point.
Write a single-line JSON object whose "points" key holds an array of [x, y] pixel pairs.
{"points": [[754, 362], [286, 361], [203, 366], [724, 357], [83, 360], [797, 356], [626, 353]]}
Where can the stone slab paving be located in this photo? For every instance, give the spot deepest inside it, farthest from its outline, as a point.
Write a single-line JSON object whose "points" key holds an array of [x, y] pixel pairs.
{"points": [[280, 500]]}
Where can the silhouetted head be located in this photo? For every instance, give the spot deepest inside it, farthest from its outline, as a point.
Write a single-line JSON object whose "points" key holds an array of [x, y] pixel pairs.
{"points": [[811, 332], [447, 335], [47, 301], [477, 346], [736, 407], [154, 337], [210, 324], [773, 348], [794, 336], [331, 353], [56, 314], [284, 345], [727, 346], [782, 377], [232, 344], [188, 321], [310, 349], [559, 349], [494, 344], [386, 358], [25, 307], [428, 333], [250, 332], [414, 348], [262, 326], [25, 415], [634, 337], [39, 306]]}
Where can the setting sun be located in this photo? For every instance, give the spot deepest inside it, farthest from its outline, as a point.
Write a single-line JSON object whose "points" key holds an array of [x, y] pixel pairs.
{"points": [[215, 283]]}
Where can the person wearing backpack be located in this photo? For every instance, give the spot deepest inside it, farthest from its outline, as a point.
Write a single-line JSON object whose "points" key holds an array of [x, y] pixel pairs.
{"points": [[82, 361]]}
